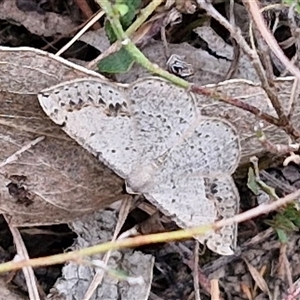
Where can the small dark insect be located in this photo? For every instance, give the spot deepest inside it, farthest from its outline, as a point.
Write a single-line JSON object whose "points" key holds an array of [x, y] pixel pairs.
{"points": [[17, 190]]}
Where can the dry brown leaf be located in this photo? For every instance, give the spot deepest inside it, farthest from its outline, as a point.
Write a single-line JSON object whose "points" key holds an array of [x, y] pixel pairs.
{"points": [[62, 179], [55, 180], [259, 280], [26, 70], [48, 24], [246, 290]]}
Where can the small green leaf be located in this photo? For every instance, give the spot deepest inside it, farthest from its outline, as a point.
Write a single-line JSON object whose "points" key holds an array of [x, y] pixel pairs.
{"points": [[287, 225], [109, 32], [282, 236], [252, 183], [127, 10], [122, 9], [132, 5], [118, 62]]}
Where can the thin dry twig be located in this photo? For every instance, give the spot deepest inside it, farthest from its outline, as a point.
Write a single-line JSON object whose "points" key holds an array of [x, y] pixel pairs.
{"points": [[293, 98], [235, 32], [89, 24], [66, 35], [267, 80], [123, 213], [271, 147], [202, 278], [215, 291], [195, 271], [285, 271], [265, 55], [226, 260], [236, 48], [235, 102], [87, 12], [23, 254], [245, 106], [264, 208], [269, 38], [294, 27]]}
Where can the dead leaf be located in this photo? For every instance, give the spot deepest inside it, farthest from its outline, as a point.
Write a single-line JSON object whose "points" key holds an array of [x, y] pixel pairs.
{"points": [[26, 70], [96, 38], [61, 180], [48, 24], [64, 180], [259, 280], [246, 290]]}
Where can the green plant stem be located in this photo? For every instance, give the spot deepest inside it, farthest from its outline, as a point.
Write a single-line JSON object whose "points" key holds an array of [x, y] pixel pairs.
{"points": [[139, 57], [143, 16]]}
